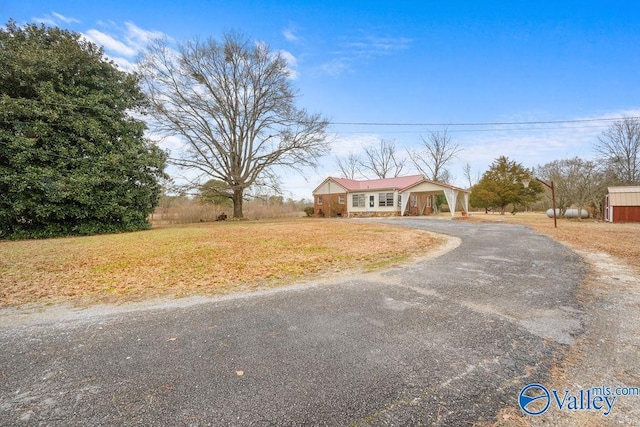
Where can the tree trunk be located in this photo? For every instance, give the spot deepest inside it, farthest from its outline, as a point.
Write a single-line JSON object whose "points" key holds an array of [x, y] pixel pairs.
{"points": [[238, 194]]}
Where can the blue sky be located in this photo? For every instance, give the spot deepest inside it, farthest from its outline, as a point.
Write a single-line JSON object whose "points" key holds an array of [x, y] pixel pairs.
{"points": [[425, 62]]}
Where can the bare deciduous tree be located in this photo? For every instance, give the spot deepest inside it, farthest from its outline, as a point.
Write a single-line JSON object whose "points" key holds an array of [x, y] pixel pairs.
{"points": [[577, 182], [466, 170], [585, 183], [619, 148], [556, 172], [232, 103], [438, 150], [382, 160], [349, 166]]}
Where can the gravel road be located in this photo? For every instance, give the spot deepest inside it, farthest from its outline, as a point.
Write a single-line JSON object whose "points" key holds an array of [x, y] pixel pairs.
{"points": [[445, 341]]}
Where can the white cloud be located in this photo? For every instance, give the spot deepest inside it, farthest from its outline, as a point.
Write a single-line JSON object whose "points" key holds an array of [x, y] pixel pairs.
{"points": [[290, 36], [65, 19], [55, 19], [345, 145], [290, 33], [373, 46], [123, 63], [292, 63], [382, 45], [110, 43], [139, 37], [122, 43], [362, 49], [47, 20], [336, 66], [171, 143]]}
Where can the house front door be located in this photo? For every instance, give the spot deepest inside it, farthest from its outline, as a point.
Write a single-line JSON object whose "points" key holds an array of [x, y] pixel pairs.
{"points": [[372, 202]]}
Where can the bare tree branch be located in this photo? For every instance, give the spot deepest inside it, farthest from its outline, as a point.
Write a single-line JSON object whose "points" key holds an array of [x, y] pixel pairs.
{"points": [[466, 170], [232, 103], [619, 148], [577, 182], [382, 161], [349, 167], [438, 150]]}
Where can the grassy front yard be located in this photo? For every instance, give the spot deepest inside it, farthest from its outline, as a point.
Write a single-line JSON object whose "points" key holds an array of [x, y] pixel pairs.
{"points": [[207, 259]]}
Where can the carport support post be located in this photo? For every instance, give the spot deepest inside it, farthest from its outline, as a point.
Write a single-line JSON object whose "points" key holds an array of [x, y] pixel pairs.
{"points": [[405, 203], [452, 197]]}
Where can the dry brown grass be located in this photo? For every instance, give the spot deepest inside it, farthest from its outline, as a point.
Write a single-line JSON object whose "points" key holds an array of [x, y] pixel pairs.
{"points": [[619, 240], [213, 258]]}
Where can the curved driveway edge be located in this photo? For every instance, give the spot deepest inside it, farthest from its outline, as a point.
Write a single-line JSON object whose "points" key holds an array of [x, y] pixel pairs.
{"points": [[446, 341]]}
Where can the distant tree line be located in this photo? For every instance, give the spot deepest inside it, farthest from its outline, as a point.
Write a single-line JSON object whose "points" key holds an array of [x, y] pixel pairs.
{"points": [[578, 182]]}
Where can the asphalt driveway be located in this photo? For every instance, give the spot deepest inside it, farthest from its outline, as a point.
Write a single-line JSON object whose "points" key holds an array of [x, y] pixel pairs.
{"points": [[446, 341]]}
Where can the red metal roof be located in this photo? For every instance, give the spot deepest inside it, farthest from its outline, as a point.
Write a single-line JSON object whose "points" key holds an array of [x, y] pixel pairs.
{"points": [[400, 183], [378, 184]]}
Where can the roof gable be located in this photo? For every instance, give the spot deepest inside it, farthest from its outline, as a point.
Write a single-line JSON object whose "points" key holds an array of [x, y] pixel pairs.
{"points": [[439, 184]]}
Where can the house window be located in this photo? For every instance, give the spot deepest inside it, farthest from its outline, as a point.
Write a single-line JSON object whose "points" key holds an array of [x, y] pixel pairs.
{"points": [[357, 200], [385, 199], [414, 200], [399, 200], [319, 200], [341, 200]]}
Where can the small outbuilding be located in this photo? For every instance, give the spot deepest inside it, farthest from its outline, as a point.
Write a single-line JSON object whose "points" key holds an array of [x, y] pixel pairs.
{"points": [[407, 195], [622, 204]]}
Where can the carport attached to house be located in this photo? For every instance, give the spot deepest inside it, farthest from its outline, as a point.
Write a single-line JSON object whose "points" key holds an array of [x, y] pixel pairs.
{"points": [[417, 199]]}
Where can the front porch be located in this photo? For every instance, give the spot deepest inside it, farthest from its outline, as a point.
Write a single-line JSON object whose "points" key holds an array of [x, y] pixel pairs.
{"points": [[419, 199], [419, 204]]}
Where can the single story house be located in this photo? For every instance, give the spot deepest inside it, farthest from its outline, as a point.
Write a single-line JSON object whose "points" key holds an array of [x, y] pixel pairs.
{"points": [[622, 204], [406, 195]]}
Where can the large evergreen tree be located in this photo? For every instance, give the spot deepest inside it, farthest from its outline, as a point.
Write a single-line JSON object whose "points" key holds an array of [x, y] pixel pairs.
{"points": [[502, 185], [73, 159]]}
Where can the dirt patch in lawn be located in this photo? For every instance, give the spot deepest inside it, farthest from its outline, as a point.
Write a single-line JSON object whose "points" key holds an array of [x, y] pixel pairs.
{"points": [[203, 259]]}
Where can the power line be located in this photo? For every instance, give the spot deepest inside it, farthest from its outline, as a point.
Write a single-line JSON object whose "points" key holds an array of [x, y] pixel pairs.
{"points": [[509, 129], [538, 122], [497, 126], [444, 124]]}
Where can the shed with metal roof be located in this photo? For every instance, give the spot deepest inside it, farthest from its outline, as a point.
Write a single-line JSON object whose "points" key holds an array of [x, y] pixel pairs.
{"points": [[622, 204]]}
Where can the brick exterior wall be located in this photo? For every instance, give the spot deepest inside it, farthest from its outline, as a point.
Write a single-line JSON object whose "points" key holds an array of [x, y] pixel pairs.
{"points": [[422, 201], [331, 206]]}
